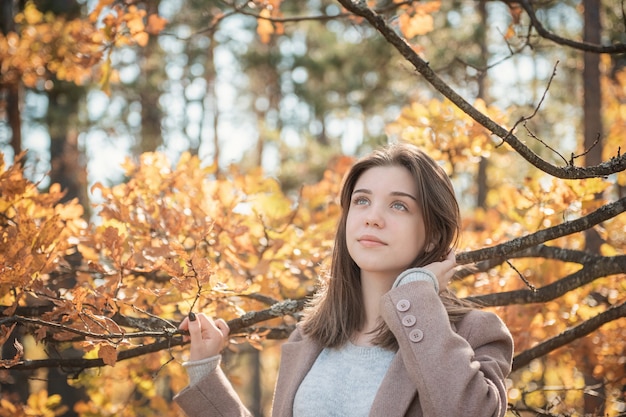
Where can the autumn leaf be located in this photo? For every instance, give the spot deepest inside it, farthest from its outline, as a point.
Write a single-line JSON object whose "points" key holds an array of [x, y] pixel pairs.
{"points": [[141, 38], [31, 15], [510, 32], [108, 354], [156, 24], [5, 332], [40, 404], [134, 19], [418, 24]]}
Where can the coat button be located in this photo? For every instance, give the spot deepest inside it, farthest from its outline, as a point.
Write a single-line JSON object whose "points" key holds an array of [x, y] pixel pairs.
{"points": [[409, 320], [403, 305], [416, 335]]}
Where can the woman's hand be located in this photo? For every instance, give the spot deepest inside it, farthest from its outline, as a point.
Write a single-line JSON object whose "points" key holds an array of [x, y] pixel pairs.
{"points": [[443, 270], [208, 337]]}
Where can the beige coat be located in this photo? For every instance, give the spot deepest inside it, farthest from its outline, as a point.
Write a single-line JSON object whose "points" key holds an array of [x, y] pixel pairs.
{"points": [[441, 370]]}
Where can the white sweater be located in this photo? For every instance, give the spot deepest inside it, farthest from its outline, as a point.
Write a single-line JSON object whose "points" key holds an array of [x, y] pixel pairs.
{"points": [[343, 382]]}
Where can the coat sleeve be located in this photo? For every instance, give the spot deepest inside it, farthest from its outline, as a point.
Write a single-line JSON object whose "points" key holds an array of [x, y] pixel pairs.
{"points": [[212, 396], [454, 371]]}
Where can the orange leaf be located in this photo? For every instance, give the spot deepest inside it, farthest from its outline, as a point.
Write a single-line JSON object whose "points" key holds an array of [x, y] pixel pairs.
{"points": [[108, 354], [5, 332], [141, 38], [510, 32], [155, 24], [418, 24]]}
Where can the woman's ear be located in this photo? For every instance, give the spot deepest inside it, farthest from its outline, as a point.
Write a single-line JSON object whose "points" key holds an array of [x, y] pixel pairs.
{"points": [[429, 247]]}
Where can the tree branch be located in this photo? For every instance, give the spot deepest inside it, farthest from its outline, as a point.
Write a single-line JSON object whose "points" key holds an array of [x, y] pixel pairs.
{"points": [[501, 251], [589, 272], [582, 46], [615, 164], [569, 335], [538, 251], [168, 340]]}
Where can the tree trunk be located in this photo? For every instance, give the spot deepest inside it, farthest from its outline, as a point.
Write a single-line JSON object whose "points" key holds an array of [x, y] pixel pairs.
{"points": [[481, 175], [211, 99], [150, 92], [594, 404], [591, 86], [67, 165], [592, 143], [67, 168], [11, 90]]}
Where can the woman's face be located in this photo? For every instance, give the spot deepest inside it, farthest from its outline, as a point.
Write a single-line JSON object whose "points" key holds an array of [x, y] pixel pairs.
{"points": [[385, 228]]}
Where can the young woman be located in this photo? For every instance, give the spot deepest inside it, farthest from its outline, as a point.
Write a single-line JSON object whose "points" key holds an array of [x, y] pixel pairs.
{"points": [[384, 337]]}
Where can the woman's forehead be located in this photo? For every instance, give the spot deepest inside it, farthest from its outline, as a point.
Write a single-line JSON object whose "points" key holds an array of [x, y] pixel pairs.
{"points": [[387, 178]]}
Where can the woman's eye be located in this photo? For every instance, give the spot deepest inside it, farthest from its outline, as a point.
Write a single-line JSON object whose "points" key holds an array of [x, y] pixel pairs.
{"points": [[399, 206], [360, 201]]}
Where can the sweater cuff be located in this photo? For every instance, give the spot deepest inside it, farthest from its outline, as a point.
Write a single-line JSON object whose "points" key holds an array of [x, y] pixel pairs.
{"points": [[416, 274], [196, 370]]}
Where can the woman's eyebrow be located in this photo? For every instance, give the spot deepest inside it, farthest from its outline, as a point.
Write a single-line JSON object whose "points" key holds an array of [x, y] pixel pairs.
{"points": [[403, 194], [393, 193]]}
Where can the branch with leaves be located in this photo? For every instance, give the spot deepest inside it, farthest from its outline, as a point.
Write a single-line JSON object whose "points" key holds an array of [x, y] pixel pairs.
{"points": [[165, 338]]}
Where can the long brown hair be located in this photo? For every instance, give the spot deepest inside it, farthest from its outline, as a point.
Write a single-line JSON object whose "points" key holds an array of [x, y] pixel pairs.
{"points": [[336, 312]]}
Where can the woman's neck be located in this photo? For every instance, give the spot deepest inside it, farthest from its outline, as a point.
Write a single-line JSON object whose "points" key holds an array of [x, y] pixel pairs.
{"points": [[372, 288]]}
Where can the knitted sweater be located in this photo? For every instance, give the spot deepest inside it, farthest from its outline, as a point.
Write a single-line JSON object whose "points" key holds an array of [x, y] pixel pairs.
{"points": [[343, 382]]}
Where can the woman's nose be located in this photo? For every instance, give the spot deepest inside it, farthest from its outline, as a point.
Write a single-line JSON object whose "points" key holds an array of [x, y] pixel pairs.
{"points": [[374, 219]]}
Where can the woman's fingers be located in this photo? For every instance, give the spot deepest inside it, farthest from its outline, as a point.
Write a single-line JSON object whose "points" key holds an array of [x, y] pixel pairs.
{"points": [[444, 270], [194, 326], [208, 337], [184, 325], [223, 327]]}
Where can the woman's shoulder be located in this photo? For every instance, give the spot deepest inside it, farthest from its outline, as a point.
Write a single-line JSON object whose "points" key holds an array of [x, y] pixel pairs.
{"points": [[477, 321], [297, 334]]}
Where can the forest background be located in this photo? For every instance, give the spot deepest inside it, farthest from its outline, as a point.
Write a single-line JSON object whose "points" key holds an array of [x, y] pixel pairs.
{"points": [[167, 156]]}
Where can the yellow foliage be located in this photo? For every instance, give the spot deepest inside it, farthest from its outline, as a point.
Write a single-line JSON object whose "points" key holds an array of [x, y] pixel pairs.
{"points": [[417, 18], [445, 132], [72, 50], [40, 404], [37, 232], [31, 15]]}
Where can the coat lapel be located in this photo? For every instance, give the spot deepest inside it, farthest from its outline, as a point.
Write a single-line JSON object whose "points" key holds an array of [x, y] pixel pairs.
{"points": [[396, 392], [297, 358]]}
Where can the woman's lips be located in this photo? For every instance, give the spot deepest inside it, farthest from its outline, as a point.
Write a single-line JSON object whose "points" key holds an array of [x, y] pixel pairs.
{"points": [[368, 240]]}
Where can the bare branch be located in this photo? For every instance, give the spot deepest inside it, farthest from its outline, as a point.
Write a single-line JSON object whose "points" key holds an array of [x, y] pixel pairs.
{"points": [[591, 271], [615, 164], [538, 251], [277, 310], [501, 251], [569, 335], [582, 46]]}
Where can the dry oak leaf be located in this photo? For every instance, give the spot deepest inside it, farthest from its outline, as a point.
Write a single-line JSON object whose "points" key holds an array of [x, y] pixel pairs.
{"points": [[108, 354]]}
